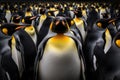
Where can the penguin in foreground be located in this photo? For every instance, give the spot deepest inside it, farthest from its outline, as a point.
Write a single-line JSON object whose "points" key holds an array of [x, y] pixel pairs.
{"points": [[99, 33], [110, 69], [7, 61], [59, 56], [3, 75], [28, 38]]}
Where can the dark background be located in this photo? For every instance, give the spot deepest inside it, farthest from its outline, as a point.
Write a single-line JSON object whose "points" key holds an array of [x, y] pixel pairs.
{"points": [[36, 1], [60, 0]]}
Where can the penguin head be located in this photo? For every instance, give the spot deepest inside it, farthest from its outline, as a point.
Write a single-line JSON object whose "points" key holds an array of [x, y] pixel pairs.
{"points": [[105, 15], [59, 25], [42, 11], [28, 19], [16, 19], [78, 13], [28, 9], [9, 29], [103, 23]]}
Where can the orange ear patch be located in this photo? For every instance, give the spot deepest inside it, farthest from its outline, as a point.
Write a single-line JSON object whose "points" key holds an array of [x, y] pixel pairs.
{"points": [[99, 24], [118, 42], [5, 30]]}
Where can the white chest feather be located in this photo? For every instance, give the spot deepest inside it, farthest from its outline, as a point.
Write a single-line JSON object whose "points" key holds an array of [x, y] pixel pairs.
{"points": [[16, 55], [108, 39], [42, 19], [60, 64], [80, 26], [8, 16], [31, 32]]}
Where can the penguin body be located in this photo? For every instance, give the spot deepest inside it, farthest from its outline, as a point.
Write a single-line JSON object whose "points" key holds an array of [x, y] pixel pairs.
{"points": [[97, 34], [55, 60], [44, 29], [30, 51], [74, 29], [8, 15], [80, 25], [7, 60], [3, 75], [110, 69], [117, 23], [58, 62]]}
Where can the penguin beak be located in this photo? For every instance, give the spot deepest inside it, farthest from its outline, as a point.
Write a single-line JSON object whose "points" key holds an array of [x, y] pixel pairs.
{"points": [[32, 18], [111, 20], [19, 27], [18, 17]]}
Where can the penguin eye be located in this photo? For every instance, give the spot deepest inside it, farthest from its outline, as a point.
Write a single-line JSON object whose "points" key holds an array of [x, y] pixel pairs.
{"points": [[99, 24], [5, 30], [118, 43]]}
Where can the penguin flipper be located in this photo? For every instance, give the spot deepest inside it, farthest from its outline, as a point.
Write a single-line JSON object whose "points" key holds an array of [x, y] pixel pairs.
{"points": [[99, 53]]}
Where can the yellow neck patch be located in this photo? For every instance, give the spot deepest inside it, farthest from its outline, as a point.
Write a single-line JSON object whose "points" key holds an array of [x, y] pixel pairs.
{"points": [[60, 42], [118, 42], [107, 32], [78, 20], [13, 40], [28, 14], [43, 17], [5, 31], [30, 30], [52, 9]]}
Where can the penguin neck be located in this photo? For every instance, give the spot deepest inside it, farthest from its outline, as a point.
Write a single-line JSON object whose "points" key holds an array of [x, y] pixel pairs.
{"points": [[43, 17], [60, 34], [28, 14], [30, 30], [77, 20]]}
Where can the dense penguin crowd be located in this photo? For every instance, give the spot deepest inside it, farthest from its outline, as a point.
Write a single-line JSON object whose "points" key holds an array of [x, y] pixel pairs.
{"points": [[59, 41]]}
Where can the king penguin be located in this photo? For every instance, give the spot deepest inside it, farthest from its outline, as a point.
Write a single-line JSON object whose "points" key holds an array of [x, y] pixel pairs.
{"points": [[99, 33], [8, 14], [110, 69], [74, 30], [28, 38], [43, 25], [80, 24], [7, 61], [55, 60]]}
